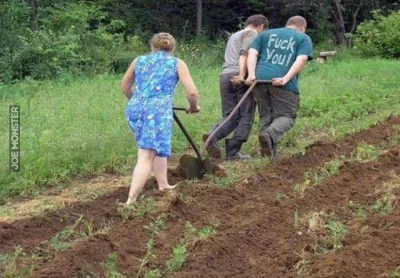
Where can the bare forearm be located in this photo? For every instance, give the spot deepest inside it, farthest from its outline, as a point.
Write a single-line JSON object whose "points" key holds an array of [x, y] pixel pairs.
{"points": [[192, 94], [242, 65], [187, 82], [296, 68], [128, 91], [251, 63], [128, 80], [193, 99]]}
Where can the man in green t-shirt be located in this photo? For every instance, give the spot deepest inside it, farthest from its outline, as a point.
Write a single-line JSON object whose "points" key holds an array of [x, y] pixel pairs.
{"points": [[278, 55]]}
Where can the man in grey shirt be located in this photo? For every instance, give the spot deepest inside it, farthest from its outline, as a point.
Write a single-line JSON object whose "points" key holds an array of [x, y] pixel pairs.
{"points": [[235, 68]]}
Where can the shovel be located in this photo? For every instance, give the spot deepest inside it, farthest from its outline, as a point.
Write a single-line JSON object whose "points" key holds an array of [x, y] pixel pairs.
{"points": [[193, 167], [227, 119], [197, 167]]}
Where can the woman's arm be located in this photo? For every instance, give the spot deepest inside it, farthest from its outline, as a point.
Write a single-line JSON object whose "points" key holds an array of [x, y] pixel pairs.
{"points": [[188, 84], [128, 80]]}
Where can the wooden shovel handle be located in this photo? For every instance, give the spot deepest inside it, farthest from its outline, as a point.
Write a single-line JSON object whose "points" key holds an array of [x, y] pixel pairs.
{"points": [[246, 94]]}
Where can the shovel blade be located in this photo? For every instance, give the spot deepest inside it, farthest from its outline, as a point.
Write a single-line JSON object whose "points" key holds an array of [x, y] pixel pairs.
{"points": [[191, 166]]}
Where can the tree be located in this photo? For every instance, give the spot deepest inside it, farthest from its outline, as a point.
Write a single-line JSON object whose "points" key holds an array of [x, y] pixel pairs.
{"points": [[199, 17], [338, 15]]}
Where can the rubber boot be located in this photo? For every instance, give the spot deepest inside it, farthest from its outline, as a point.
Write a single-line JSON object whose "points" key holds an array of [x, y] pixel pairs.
{"points": [[232, 147], [268, 147], [213, 149]]}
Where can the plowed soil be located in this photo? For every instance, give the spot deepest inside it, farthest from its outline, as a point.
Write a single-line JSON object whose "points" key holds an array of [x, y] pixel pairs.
{"points": [[263, 227]]}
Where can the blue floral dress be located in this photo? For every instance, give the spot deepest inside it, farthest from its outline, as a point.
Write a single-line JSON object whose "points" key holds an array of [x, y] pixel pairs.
{"points": [[149, 111]]}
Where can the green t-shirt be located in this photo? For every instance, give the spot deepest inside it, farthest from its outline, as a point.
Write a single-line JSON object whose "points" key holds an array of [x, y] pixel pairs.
{"points": [[277, 51]]}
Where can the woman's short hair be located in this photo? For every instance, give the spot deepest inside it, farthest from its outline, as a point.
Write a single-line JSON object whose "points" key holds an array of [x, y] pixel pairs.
{"points": [[163, 42], [257, 20]]}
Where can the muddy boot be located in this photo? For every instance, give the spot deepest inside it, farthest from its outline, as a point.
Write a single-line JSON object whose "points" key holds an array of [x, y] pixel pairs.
{"points": [[268, 147], [213, 149], [232, 147]]}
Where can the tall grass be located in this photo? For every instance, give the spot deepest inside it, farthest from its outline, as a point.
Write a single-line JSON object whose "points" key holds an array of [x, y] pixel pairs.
{"points": [[76, 126]]}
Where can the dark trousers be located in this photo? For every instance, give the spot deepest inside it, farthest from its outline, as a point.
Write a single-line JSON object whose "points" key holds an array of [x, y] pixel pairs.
{"points": [[277, 108], [242, 122]]}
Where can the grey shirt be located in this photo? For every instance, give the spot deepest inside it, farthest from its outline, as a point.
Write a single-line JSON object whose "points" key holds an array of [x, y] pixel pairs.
{"points": [[238, 44]]}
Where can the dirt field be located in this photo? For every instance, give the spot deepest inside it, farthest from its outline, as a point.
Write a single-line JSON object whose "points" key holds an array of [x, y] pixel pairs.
{"points": [[332, 212]]}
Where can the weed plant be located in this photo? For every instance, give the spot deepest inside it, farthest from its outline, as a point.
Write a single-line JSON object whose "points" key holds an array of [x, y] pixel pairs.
{"points": [[337, 231], [153, 228], [181, 250], [111, 266], [10, 267]]}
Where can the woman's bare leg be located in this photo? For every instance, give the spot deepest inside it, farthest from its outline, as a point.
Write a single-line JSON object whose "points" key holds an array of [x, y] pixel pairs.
{"points": [[160, 169], [140, 173]]}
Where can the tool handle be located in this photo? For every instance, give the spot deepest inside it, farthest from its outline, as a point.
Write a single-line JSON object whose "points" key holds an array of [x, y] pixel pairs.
{"points": [[179, 109], [246, 94], [184, 131]]}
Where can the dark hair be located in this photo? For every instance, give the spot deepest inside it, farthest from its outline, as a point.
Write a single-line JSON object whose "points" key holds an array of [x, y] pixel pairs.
{"points": [[297, 21], [257, 20], [163, 42]]}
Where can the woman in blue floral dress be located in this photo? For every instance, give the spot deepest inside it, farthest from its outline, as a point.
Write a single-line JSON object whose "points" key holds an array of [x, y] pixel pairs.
{"points": [[149, 111]]}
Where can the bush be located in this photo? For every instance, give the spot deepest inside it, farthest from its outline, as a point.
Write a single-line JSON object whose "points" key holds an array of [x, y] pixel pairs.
{"points": [[14, 22], [74, 37], [379, 36]]}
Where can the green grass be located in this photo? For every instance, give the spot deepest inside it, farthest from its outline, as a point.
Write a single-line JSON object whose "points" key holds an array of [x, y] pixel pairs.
{"points": [[76, 126]]}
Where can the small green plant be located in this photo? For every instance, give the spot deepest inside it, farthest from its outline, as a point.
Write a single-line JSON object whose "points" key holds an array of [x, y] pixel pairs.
{"points": [[9, 264], [179, 257], [258, 163], [140, 209], [59, 245], [365, 152], [64, 240], [153, 228], [313, 177], [181, 251], [332, 167], [145, 206], [300, 188], [207, 232], [358, 210], [226, 182], [383, 206], [112, 266], [190, 232], [154, 273], [280, 197], [337, 231], [126, 212]]}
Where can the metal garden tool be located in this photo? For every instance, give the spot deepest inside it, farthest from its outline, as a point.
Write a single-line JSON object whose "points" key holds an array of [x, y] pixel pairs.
{"points": [[193, 167], [234, 111]]}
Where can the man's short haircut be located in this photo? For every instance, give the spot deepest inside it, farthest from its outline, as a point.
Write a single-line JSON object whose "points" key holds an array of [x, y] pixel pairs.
{"points": [[257, 20], [297, 21]]}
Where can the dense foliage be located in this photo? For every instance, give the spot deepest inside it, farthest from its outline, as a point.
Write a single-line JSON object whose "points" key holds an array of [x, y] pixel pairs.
{"points": [[43, 39], [73, 37], [380, 36]]}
